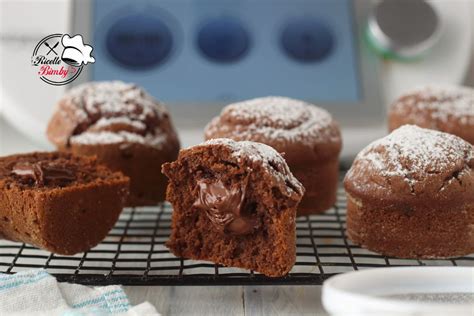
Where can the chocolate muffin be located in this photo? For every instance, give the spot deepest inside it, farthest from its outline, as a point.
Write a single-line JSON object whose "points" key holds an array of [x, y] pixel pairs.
{"points": [[411, 195], [125, 128], [234, 204], [59, 202], [306, 135], [448, 109]]}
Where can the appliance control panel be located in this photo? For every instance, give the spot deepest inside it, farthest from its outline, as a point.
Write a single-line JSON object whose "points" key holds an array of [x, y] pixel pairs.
{"points": [[217, 51]]}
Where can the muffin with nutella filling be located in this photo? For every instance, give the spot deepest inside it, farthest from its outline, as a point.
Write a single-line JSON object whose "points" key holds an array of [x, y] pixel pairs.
{"points": [[234, 203], [124, 127], [449, 109], [307, 136], [59, 202], [411, 195]]}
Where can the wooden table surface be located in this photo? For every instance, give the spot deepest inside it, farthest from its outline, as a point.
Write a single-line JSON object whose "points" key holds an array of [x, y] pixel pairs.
{"points": [[230, 300]]}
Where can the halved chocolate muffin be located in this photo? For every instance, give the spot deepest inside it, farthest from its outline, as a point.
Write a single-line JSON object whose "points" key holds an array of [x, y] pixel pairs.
{"points": [[411, 195], [59, 202], [235, 204], [125, 128], [307, 135]]}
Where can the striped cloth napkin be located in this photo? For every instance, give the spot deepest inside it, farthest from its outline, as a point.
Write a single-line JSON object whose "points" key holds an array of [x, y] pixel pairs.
{"points": [[35, 292]]}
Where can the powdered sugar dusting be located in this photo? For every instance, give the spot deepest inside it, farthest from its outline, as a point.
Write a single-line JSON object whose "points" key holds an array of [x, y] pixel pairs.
{"points": [[113, 112], [413, 153], [274, 118], [114, 97], [278, 111], [106, 122], [441, 102], [252, 150], [259, 152], [106, 137]]}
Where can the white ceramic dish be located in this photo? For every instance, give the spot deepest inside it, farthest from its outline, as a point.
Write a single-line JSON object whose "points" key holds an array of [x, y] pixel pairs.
{"points": [[416, 291]]}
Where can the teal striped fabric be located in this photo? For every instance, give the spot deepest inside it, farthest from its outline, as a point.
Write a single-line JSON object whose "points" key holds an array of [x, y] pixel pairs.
{"points": [[37, 292]]}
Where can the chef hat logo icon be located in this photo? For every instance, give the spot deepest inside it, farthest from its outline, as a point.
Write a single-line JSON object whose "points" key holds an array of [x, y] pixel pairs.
{"points": [[75, 52], [59, 58]]}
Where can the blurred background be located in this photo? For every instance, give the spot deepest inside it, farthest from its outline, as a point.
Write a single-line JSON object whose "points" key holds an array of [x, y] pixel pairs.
{"points": [[350, 57]]}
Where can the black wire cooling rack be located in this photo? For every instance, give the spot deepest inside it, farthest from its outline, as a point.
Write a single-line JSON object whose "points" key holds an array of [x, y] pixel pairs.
{"points": [[134, 254]]}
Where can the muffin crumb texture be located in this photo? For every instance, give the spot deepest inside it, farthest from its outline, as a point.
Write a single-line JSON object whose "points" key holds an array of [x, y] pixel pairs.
{"points": [[58, 201], [234, 203]]}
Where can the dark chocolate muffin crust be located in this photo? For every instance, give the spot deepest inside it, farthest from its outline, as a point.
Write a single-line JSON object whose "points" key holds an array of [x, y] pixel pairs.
{"points": [[411, 195], [301, 130], [448, 109], [235, 204], [306, 135], [124, 127]]}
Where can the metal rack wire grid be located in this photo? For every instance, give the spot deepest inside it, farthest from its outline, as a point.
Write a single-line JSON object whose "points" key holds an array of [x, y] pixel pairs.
{"points": [[134, 253]]}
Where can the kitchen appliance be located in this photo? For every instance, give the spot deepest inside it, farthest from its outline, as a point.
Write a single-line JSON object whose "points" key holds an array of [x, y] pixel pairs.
{"points": [[198, 56], [406, 39]]}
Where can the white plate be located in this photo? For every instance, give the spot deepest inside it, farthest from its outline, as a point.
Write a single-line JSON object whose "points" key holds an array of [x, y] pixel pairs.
{"points": [[416, 291]]}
